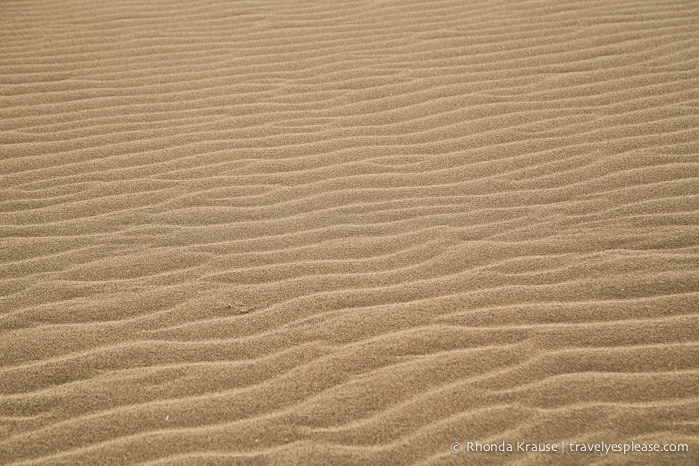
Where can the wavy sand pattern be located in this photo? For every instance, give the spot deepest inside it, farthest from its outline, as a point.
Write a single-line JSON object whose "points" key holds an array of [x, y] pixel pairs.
{"points": [[295, 232]]}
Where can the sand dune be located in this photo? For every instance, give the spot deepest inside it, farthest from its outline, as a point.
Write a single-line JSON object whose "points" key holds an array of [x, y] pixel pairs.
{"points": [[362, 232]]}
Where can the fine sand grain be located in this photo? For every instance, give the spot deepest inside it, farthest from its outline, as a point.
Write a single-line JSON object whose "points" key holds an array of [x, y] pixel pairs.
{"points": [[362, 232]]}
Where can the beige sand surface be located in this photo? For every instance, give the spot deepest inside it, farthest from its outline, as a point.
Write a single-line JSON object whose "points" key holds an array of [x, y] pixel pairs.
{"points": [[325, 232]]}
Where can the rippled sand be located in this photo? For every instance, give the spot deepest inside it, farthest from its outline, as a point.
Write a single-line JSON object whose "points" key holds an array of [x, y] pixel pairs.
{"points": [[294, 232]]}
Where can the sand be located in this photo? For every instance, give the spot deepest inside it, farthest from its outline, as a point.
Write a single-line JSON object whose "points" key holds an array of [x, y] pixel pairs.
{"points": [[364, 232]]}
